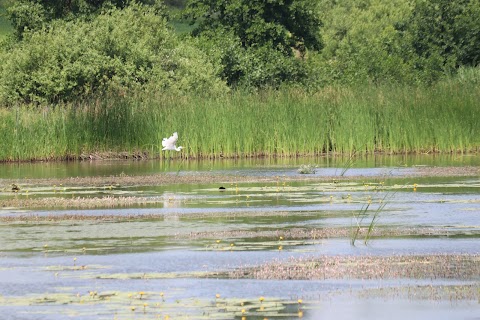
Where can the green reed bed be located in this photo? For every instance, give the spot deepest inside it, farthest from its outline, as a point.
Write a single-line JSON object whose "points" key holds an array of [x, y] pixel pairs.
{"points": [[292, 122], [443, 118]]}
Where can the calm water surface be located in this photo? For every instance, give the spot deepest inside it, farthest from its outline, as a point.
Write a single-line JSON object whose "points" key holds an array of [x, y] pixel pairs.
{"points": [[275, 166]]}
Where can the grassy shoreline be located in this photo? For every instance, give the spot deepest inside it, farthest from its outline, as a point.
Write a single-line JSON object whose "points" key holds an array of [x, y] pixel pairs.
{"points": [[290, 123]]}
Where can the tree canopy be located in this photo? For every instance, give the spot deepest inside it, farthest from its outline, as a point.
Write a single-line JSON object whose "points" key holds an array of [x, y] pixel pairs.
{"points": [[260, 38], [445, 34], [121, 49], [33, 14], [63, 50], [281, 24]]}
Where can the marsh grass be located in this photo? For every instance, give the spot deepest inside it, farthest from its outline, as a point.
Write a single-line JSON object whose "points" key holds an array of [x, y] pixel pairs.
{"points": [[348, 164], [372, 215], [288, 123]]}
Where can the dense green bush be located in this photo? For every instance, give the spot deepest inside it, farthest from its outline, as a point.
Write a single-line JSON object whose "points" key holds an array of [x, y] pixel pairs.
{"points": [[256, 41], [362, 43], [399, 41], [70, 49], [280, 24], [31, 15], [251, 67], [121, 50], [5, 25], [444, 35]]}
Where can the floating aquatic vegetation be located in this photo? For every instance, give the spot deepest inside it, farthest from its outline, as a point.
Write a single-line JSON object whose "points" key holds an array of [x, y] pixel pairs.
{"points": [[448, 292], [75, 268], [160, 275], [273, 245], [440, 266], [307, 169], [125, 305]]}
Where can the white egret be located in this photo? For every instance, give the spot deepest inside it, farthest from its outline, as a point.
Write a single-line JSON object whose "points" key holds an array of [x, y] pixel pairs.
{"points": [[170, 143]]}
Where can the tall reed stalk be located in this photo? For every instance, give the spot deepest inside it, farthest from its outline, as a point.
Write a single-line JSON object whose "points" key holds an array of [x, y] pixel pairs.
{"points": [[364, 213]]}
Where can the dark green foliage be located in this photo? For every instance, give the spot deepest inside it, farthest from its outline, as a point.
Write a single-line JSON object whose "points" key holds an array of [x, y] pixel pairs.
{"points": [[121, 50], [399, 41], [5, 25], [176, 3], [281, 24], [468, 35], [256, 40], [26, 16], [33, 14], [252, 67], [362, 43], [70, 49], [445, 35]]}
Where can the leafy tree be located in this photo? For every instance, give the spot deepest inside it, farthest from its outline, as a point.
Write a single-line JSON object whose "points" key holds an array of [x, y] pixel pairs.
{"points": [[256, 40], [119, 50], [362, 42], [445, 35], [407, 41], [176, 3], [282, 24], [33, 14]]}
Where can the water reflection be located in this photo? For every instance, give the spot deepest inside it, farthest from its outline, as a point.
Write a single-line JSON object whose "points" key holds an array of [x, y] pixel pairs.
{"points": [[274, 165], [171, 200]]}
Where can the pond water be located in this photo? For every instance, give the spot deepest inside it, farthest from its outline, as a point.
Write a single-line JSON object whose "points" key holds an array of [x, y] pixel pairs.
{"points": [[385, 164], [167, 258]]}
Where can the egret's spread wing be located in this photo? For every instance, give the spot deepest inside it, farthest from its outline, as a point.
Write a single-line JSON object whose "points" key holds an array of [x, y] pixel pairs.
{"points": [[170, 142]]}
